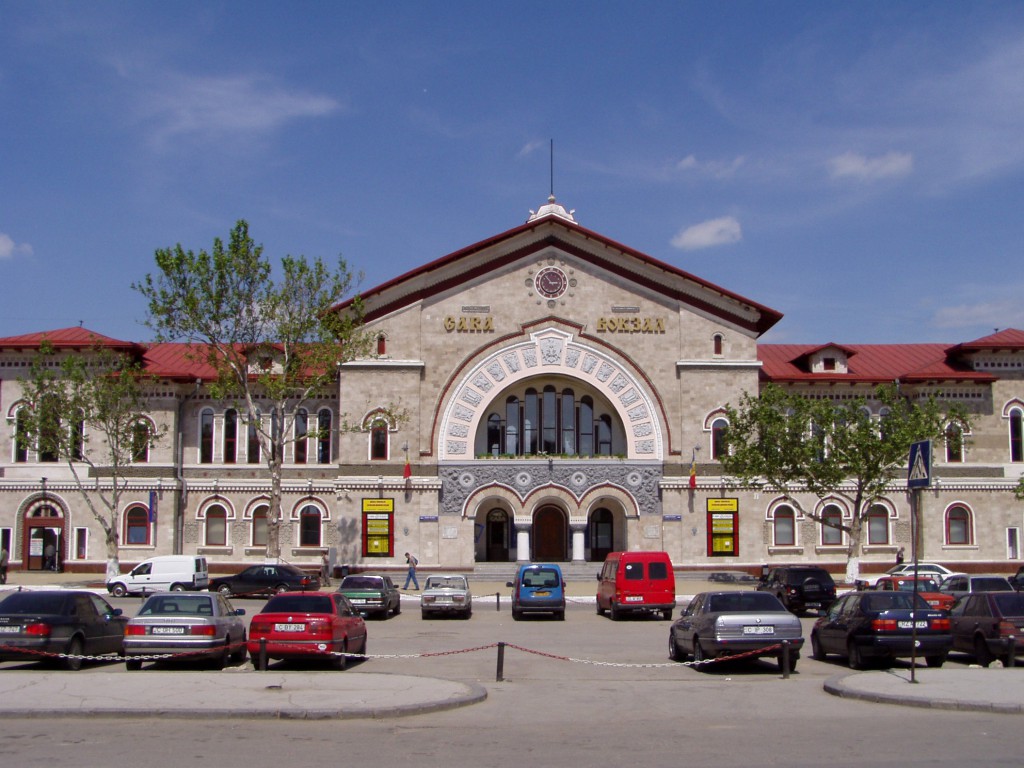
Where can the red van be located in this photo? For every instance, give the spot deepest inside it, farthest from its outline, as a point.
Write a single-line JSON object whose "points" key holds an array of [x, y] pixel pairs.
{"points": [[634, 582]]}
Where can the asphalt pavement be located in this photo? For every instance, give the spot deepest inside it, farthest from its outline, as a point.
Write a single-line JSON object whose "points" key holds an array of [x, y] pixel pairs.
{"points": [[241, 692]]}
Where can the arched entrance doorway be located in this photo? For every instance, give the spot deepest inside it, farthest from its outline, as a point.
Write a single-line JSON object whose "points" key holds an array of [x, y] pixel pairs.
{"points": [[44, 539], [497, 536], [550, 535], [602, 534]]}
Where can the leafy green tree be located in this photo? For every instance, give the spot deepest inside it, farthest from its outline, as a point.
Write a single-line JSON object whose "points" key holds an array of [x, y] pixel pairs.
{"points": [[274, 341], [89, 410], [790, 444]]}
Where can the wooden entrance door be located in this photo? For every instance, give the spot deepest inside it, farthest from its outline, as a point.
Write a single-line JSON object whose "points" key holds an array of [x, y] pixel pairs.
{"points": [[549, 535]]}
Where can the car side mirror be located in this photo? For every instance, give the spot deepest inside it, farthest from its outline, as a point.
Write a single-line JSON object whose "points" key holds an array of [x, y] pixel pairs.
{"points": [[509, 584], [239, 611]]}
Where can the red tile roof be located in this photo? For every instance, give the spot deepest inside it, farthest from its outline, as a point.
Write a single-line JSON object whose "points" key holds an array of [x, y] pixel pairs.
{"points": [[66, 338]]}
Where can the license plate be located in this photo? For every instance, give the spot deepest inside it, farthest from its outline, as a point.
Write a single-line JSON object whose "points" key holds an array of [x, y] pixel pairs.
{"points": [[910, 624], [9, 630], [167, 631], [289, 627], [634, 598], [358, 601], [542, 593], [757, 629]]}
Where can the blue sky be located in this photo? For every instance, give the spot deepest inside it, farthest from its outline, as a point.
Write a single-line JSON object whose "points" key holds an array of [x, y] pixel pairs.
{"points": [[858, 167]]}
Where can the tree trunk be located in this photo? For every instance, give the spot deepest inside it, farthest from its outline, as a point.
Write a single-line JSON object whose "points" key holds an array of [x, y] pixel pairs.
{"points": [[113, 559], [853, 552]]}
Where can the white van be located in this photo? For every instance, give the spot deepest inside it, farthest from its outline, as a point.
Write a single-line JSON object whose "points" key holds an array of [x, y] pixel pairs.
{"points": [[174, 573]]}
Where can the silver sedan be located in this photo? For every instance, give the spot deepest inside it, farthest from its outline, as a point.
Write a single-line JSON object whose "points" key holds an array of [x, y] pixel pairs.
{"points": [[446, 593], [187, 626], [718, 624]]}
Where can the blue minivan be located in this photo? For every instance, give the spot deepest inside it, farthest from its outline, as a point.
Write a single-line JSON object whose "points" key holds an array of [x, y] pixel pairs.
{"points": [[538, 588]]}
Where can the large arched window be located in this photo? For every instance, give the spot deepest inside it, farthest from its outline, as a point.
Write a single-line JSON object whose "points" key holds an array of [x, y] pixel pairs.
{"points": [[301, 428], [784, 526], [21, 437], [831, 519], [954, 443], [1016, 435], [141, 433], [258, 531], [958, 526], [216, 527], [49, 429], [230, 436], [878, 525], [206, 436], [252, 439], [309, 526], [379, 442], [136, 526], [718, 447]]}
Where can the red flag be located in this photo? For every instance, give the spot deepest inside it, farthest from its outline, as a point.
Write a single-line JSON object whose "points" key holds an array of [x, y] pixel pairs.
{"points": [[407, 472], [693, 471]]}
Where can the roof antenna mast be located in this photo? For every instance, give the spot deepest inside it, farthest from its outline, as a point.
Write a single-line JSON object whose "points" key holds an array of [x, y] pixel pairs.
{"points": [[552, 171]]}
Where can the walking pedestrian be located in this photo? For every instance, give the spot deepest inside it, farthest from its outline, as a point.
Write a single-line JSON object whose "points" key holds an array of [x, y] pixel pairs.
{"points": [[4, 557], [410, 575]]}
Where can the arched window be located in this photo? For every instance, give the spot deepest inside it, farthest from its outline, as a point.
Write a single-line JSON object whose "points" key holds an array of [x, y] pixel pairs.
{"points": [[230, 436], [531, 421], [206, 436], [216, 526], [549, 420], [878, 525], [137, 527], [512, 426], [604, 435], [382, 345], [323, 439], [586, 422], [716, 343], [379, 440], [784, 526], [258, 534], [21, 437], [77, 436], [140, 441], [718, 447], [309, 526], [954, 443], [831, 519], [958, 526], [49, 429], [252, 439], [1016, 435], [301, 435]]}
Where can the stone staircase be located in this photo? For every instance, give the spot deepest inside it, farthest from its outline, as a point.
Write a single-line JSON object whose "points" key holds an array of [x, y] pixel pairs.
{"points": [[504, 572]]}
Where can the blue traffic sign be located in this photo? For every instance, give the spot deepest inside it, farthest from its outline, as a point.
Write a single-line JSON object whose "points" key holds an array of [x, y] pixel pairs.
{"points": [[919, 470]]}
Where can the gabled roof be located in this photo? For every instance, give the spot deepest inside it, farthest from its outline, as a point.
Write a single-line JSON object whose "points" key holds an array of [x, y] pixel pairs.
{"points": [[869, 364], [1010, 339], [552, 229], [68, 338]]}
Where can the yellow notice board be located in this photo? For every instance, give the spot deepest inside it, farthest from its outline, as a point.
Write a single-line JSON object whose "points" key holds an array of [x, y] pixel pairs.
{"points": [[723, 527], [378, 527]]}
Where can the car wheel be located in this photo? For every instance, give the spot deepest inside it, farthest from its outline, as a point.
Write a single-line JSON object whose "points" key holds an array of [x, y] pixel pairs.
{"points": [[239, 654], [177, 588], [280, 588], [616, 614], [119, 590], [425, 614], [698, 652], [221, 659], [468, 614], [516, 614], [936, 660], [398, 606], [667, 614], [817, 652], [133, 665], [73, 660], [674, 651], [224, 589], [600, 610], [982, 654], [853, 656], [560, 615], [340, 662]]}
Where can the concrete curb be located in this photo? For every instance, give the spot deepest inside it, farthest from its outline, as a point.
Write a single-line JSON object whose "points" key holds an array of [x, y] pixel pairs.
{"points": [[887, 688]]}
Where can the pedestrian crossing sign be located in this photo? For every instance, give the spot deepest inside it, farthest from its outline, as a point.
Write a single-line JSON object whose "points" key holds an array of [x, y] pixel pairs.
{"points": [[919, 470]]}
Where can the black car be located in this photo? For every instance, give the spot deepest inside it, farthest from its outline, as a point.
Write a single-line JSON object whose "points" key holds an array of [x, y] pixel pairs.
{"points": [[263, 580], [1018, 578], [800, 587], [35, 626], [882, 625], [982, 624]]}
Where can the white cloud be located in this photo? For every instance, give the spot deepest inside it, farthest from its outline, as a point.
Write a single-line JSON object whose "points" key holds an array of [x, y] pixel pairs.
{"points": [[721, 231], [9, 249], [233, 107], [531, 147], [1000, 313], [853, 165], [718, 169]]}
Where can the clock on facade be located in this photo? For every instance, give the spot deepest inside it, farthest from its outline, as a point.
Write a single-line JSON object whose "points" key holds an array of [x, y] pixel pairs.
{"points": [[551, 282]]}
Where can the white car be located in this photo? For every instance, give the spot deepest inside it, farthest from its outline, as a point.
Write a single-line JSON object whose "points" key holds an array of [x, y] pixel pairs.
{"points": [[934, 570], [446, 593]]}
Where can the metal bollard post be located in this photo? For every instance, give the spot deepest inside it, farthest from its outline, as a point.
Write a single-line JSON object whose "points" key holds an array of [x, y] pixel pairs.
{"points": [[1011, 656], [497, 601], [501, 663], [785, 659], [263, 654]]}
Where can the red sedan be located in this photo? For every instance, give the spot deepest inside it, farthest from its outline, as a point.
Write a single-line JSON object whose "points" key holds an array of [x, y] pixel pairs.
{"points": [[926, 588], [301, 625]]}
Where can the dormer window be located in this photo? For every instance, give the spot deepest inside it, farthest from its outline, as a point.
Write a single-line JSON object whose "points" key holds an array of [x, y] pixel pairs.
{"points": [[828, 363]]}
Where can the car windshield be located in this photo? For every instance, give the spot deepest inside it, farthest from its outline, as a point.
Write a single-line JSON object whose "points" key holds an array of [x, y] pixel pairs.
{"points": [[362, 582], [172, 605], [1010, 603], [745, 602], [446, 582], [540, 577], [886, 601], [33, 602], [313, 603], [991, 584], [923, 585]]}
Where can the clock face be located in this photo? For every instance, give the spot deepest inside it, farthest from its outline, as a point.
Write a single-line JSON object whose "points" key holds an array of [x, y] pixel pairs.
{"points": [[551, 282]]}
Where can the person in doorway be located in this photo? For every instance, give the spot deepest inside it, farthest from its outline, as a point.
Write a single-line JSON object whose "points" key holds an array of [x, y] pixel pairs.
{"points": [[4, 557], [49, 558], [899, 556], [410, 575], [325, 570]]}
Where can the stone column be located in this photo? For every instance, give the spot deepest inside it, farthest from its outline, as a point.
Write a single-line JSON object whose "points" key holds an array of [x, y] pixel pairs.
{"points": [[523, 542], [579, 543]]}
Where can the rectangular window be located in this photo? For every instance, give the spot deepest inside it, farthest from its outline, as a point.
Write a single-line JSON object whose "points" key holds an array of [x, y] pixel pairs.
{"points": [[878, 529], [81, 543], [1013, 543]]}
